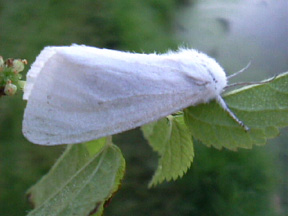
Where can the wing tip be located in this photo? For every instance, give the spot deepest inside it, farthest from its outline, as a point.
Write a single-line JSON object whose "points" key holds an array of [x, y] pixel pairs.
{"points": [[36, 68]]}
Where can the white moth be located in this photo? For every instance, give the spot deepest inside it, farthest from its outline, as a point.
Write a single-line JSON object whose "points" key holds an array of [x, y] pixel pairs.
{"points": [[80, 93]]}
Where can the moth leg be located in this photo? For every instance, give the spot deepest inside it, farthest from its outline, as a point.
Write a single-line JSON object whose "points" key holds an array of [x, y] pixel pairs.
{"points": [[226, 108]]}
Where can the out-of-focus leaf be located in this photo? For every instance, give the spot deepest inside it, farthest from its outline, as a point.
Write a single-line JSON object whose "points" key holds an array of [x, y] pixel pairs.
{"points": [[80, 182]]}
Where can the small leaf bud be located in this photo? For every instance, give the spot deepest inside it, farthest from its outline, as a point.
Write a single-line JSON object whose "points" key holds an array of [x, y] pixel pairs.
{"points": [[21, 84], [1, 62], [10, 89], [9, 62], [18, 65]]}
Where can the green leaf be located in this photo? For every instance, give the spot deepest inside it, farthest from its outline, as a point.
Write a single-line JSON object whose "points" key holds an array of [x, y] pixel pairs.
{"points": [[80, 182], [263, 108], [172, 140]]}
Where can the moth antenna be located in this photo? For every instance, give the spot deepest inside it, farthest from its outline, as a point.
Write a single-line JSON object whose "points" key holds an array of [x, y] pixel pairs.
{"points": [[240, 71], [226, 108], [251, 83]]}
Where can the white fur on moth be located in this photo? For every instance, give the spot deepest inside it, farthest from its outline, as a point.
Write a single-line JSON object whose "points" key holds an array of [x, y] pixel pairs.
{"points": [[80, 93]]}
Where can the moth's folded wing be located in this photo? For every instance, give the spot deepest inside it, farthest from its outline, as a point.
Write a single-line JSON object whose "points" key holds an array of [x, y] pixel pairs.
{"points": [[74, 102]]}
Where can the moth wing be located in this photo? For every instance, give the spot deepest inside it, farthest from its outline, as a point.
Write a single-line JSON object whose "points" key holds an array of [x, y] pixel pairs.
{"points": [[79, 95]]}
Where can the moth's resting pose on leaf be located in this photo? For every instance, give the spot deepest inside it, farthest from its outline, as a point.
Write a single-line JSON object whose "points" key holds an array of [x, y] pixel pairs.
{"points": [[80, 93]]}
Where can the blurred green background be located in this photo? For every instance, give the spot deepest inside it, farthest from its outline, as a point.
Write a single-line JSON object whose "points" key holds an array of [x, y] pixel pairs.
{"points": [[246, 182]]}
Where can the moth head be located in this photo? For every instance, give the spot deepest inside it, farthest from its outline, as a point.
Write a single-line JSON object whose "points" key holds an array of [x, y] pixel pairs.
{"points": [[217, 75], [206, 68], [212, 72]]}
